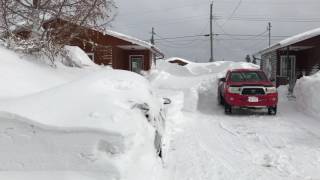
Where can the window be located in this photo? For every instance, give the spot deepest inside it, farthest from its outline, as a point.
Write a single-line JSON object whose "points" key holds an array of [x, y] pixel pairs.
{"points": [[247, 76], [136, 63], [287, 65]]}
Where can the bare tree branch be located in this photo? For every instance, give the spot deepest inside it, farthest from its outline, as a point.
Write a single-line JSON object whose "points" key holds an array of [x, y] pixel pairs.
{"points": [[33, 14]]}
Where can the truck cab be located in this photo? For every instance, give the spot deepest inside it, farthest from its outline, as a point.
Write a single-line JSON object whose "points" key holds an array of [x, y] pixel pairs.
{"points": [[247, 88]]}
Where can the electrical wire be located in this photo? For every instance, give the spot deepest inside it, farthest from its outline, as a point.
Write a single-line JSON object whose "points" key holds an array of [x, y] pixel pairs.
{"points": [[233, 13]]}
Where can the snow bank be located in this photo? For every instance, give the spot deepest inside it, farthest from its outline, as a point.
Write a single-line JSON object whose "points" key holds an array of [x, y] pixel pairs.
{"points": [[307, 92], [29, 146], [218, 67], [99, 119], [77, 57], [21, 75], [76, 123], [173, 68]]}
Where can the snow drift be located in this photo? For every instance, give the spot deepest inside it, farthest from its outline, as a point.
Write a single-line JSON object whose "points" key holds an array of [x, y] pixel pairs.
{"points": [[21, 75], [93, 124], [76, 57], [74, 123], [307, 92]]}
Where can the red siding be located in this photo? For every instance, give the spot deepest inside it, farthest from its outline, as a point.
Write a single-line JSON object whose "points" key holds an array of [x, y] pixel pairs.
{"points": [[105, 48]]}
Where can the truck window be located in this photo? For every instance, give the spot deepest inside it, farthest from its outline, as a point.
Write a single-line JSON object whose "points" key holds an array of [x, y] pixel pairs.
{"points": [[247, 76]]}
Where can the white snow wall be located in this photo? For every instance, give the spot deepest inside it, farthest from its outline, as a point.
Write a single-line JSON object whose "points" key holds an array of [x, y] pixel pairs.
{"points": [[26, 146], [307, 92]]}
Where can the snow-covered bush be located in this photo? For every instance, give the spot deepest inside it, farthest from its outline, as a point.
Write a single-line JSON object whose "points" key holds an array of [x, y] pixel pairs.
{"points": [[307, 92]]}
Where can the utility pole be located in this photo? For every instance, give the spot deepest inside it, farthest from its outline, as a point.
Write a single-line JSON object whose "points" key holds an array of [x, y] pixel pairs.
{"points": [[211, 32], [152, 42], [152, 36], [269, 30]]}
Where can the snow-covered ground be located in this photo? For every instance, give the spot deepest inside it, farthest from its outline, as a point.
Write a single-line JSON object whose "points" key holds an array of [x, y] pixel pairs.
{"points": [[93, 123], [204, 143]]}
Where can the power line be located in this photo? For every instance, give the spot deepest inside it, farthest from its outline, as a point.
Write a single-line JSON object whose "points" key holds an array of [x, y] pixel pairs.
{"points": [[274, 19], [233, 12], [166, 22], [165, 9], [181, 37], [204, 17], [217, 34]]}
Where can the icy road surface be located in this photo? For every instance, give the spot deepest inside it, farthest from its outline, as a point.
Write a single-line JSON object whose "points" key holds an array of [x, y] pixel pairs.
{"points": [[211, 145]]}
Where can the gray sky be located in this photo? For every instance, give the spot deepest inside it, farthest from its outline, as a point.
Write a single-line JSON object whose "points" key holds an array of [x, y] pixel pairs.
{"points": [[176, 18]]}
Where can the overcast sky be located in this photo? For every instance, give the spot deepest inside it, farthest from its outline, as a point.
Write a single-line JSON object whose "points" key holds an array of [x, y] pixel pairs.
{"points": [[176, 18]]}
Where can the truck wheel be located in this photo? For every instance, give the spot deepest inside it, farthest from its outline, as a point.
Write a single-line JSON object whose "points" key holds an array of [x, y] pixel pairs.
{"points": [[272, 110], [221, 100], [227, 108]]}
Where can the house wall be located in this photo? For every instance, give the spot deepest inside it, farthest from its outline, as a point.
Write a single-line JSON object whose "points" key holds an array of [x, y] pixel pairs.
{"points": [[104, 47], [306, 60], [121, 58], [269, 64], [313, 60], [146, 58]]}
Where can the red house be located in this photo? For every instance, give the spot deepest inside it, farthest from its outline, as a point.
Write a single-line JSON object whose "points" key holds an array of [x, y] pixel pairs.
{"points": [[292, 58], [105, 48]]}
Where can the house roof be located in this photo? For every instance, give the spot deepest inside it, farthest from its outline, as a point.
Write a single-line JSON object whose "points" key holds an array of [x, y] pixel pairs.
{"points": [[121, 36], [178, 59], [133, 40], [292, 40]]}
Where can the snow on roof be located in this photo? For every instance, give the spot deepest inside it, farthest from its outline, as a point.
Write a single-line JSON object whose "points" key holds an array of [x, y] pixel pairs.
{"points": [[132, 40], [300, 37], [124, 37], [292, 40]]}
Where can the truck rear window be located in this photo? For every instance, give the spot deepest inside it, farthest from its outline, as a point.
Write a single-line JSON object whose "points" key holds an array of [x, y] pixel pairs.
{"points": [[247, 76]]}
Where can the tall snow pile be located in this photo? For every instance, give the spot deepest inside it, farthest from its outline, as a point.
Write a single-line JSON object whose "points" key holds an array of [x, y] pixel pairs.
{"points": [[307, 92], [21, 75], [196, 81], [72, 123], [77, 57]]}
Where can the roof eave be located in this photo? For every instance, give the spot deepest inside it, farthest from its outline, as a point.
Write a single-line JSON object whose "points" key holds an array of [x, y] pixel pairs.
{"points": [[157, 52], [269, 49]]}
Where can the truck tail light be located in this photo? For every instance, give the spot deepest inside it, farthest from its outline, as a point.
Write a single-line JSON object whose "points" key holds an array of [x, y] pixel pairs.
{"points": [[271, 90]]}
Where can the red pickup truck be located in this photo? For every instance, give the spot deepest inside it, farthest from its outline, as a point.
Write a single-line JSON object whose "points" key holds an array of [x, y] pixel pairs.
{"points": [[247, 88]]}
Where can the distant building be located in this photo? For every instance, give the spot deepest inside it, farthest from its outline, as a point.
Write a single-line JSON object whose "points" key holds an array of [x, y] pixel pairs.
{"points": [[179, 61], [292, 58]]}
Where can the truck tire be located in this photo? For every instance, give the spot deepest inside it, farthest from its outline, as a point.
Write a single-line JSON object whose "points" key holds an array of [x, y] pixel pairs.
{"points": [[221, 99], [227, 108], [272, 110]]}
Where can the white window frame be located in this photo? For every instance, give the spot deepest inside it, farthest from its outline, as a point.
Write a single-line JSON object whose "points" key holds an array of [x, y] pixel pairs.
{"points": [[284, 64], [130, 61]]}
